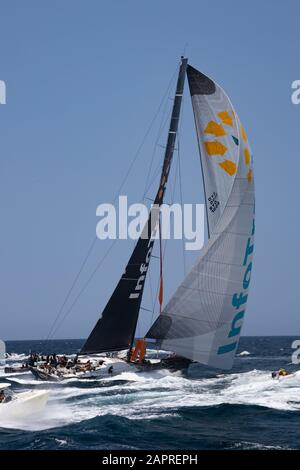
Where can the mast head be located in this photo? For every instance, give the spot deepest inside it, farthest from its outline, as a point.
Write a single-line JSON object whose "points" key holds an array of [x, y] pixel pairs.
{"points": [[183, 61]]}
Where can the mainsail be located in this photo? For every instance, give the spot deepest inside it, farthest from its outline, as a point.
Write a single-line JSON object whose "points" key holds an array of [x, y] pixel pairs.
{"points": [[203, 319], [115, 329]]}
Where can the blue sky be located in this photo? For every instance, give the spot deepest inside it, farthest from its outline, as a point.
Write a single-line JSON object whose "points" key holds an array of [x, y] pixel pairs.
{"points": [[84, 80]]}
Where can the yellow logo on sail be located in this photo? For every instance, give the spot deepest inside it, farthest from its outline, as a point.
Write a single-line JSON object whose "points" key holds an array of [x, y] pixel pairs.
{"points": [[229, 167], [217, 148], [226, 118], [215, 129], [247, 156]]}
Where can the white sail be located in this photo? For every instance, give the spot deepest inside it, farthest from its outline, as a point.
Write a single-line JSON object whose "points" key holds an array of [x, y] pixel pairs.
{"points": [[203, 319]]}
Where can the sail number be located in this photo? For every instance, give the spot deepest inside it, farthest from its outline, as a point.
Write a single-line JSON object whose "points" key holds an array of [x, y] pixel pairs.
{"points": [[213, 202]]}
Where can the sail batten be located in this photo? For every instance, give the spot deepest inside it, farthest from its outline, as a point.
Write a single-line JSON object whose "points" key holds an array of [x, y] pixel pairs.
{"points": [[202, 321]]}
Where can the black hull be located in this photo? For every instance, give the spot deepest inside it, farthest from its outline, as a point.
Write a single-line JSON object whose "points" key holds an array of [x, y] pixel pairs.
{"points": [[171, 363], [176, 363]]}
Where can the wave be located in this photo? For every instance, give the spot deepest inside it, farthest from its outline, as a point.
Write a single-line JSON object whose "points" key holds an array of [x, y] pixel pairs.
{"points": [[16, 357], [156, 395], [246, 445]]}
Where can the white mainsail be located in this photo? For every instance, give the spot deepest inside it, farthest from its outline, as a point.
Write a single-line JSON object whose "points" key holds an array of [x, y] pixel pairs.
{"points": [[203, 319]]}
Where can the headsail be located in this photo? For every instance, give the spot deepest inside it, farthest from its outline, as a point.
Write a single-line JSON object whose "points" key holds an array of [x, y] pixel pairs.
{"points": [[115, 329], [203, 319]]}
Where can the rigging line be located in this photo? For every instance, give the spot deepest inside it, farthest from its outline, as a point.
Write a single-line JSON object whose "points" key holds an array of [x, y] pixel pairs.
{"points": [[181, 192], [155, 176], [154, 299], [92, 275], [165, 244], [151, 294], [159, 165], [160, 130], [71, 288], [164, 121], [156, 145], [90, 249], [84, 286], [178, 167], [181, 203], [146, 309], [158, 169], [145, 137]]}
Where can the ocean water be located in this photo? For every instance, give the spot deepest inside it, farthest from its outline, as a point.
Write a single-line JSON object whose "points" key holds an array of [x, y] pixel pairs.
{"points": [[206, 409]]}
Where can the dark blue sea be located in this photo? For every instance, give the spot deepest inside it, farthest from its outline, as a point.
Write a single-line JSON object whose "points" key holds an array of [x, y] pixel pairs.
{"points": [[206, 409]]}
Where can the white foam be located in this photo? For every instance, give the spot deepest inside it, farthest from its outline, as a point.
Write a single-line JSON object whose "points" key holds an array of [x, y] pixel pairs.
{"points": [[16, 357], [157, 394], [61, 442], [26, 381]]}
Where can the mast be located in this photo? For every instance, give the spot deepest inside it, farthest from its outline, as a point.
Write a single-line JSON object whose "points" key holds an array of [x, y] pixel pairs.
{"points": [[169, 151], [116, 328], [172, 134]]}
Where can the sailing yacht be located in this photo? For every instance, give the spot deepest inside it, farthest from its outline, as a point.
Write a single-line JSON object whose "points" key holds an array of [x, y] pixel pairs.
{"points": [[203, 318]]}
